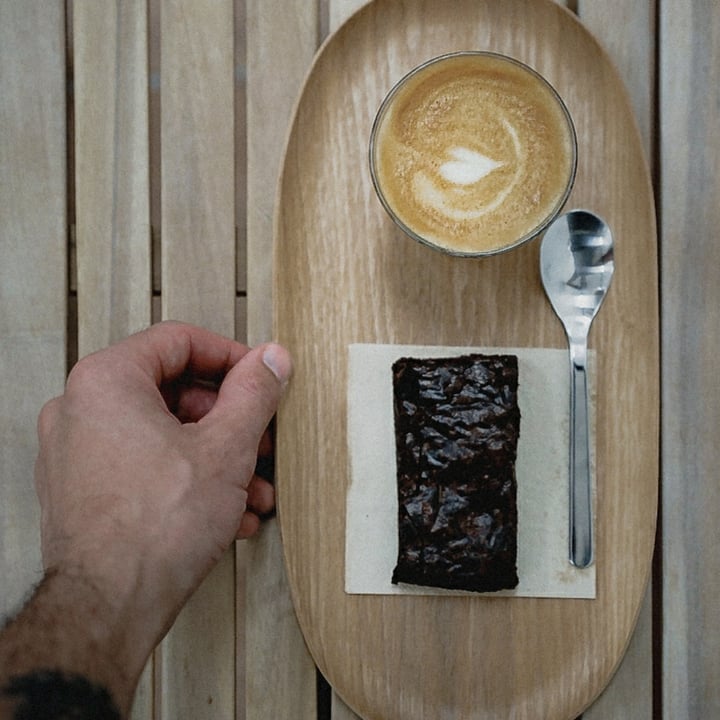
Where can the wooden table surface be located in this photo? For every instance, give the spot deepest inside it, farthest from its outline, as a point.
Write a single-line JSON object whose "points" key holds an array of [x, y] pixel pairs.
{"points": [[140, 144]]}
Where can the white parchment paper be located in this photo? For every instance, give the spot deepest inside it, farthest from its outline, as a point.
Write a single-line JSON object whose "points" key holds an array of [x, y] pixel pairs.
{"points": [[542, 474]]}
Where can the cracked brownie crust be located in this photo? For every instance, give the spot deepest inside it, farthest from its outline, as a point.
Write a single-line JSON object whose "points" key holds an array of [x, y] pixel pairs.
{"points": [[457, 425]]}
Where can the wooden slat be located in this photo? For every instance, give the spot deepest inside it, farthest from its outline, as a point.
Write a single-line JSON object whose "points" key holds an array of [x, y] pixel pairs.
{"points": [[33, 234], [281, 39], [280, 680], [198, 184], [340, 10], [197, 659], [690, 252], [111, 170], [627, 30], [628, 33], [112, 188]]}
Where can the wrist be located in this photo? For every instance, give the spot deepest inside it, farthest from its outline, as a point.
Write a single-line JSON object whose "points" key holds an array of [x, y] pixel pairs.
{"points": [[133, 582], [71, 629]]}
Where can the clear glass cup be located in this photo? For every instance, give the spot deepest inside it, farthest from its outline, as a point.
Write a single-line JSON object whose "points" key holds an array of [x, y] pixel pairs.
{"points": [[450, 169]]}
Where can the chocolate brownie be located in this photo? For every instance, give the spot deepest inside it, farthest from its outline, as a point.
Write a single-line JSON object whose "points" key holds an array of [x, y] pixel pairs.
{"points": [[457, 424]]}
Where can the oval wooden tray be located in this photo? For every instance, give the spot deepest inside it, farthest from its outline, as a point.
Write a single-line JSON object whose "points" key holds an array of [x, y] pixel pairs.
{"points": [[344, 274]]}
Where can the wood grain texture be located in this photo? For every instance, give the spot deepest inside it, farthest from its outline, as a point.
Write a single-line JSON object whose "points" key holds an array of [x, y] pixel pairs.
{"points": [[628, 32], [637, 664], [690, 195], [112, 183], [339, 11], [197, 659], [33, 292], [281, 39], [631, 44], [340, 266]]}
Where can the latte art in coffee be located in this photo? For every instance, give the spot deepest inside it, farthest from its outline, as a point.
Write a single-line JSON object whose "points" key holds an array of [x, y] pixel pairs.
{"points": [[467, 166], [473, 152]]}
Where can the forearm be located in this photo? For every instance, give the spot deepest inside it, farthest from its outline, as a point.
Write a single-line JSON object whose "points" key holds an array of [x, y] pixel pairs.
{"points": [[69, 645], [145, 477]]}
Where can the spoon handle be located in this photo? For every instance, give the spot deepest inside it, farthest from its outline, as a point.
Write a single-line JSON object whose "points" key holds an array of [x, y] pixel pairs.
{"points": [[581, 540]]}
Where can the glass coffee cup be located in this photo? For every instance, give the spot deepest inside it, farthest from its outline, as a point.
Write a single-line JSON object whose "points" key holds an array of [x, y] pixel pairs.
{"points": [[473, 153]]}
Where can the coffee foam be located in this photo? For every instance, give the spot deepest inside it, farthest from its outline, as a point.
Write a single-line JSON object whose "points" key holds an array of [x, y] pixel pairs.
{"points": [[473, 152], [467, 166]]}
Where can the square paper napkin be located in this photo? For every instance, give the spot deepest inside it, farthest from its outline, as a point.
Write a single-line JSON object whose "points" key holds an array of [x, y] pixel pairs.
{"points": [[371, 541]]}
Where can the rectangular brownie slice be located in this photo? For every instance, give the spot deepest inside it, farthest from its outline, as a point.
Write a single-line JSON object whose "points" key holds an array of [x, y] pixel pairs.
{"points": [[457, 424]]}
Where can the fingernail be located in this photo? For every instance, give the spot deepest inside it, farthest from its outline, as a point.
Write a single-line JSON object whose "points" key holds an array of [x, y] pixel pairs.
{"points": [[277, 360]]}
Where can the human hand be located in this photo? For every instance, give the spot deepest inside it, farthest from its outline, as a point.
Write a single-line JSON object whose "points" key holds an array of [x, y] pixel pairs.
{"points": [[145, 471]]}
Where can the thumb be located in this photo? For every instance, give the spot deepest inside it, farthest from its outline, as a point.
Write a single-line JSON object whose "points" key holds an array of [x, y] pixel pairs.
{"points": [[249, 395]]}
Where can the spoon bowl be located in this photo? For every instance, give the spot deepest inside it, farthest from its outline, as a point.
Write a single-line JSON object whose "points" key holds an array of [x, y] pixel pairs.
{"points": [[576, 266]]}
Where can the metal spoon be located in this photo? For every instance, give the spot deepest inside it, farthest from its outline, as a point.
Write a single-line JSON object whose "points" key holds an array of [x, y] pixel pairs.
{"points": [[576, 264]]}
